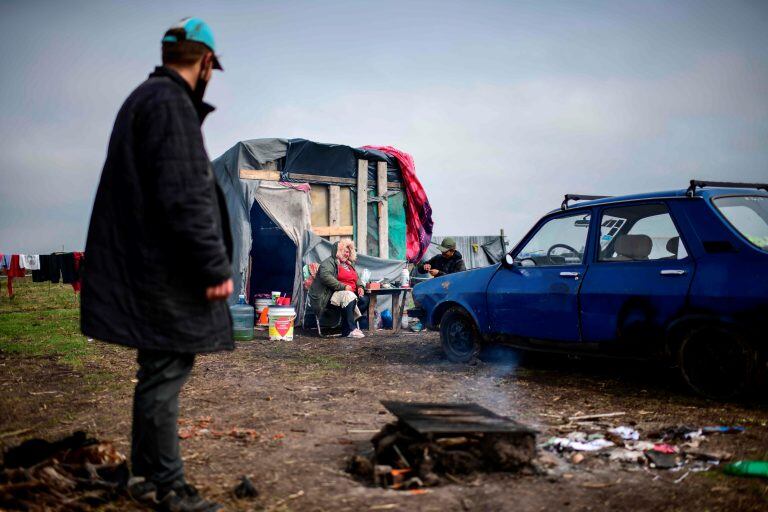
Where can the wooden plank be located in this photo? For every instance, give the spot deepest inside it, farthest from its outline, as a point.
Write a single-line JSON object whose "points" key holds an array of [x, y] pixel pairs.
{"points": [[333, 230], [318, 194], [381, 190], [334, 209], [314, 178], [350, 182], [259, 174], [362, 207]]}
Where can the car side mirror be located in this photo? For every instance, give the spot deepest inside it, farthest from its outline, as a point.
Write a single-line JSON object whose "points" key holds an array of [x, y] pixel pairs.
{"points": [[509, 261]]}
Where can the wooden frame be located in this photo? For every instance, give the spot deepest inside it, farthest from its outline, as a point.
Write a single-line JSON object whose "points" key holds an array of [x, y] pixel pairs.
{"points": [[333, 231], [362, 207], [381, 190]]}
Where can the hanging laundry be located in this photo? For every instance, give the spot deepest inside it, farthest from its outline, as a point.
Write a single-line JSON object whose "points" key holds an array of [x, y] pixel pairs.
{"points": [[13, 270], [29, 261], [5, 261], [43, 272], [79, 262], [67, 265]]}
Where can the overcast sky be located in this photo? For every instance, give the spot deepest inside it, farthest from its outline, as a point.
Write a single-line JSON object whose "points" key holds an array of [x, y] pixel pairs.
{"points": [[505, 106]]}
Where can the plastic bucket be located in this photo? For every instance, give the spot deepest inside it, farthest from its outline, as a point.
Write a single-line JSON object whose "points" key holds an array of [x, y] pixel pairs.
{"points": [[281, 323], [260, 304]]}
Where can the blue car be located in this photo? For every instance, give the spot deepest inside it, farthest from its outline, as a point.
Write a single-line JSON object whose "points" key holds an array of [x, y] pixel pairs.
{"points": [[681, 275]]}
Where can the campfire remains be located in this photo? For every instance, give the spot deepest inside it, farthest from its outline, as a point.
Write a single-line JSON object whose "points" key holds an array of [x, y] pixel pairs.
{"points": [[431, 441], [74, 473]]}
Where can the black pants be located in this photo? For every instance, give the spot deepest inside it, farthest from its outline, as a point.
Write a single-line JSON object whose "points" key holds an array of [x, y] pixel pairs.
{"points": [[348, 323], [155, 451]]}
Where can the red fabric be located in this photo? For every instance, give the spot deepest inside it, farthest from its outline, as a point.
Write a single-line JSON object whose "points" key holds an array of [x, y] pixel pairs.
{"points": [[347, 275], [419, 214], [79, 257], [14, 270]]}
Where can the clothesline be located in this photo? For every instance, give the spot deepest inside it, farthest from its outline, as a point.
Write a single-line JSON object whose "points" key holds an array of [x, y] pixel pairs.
{"points": [[55, 267]]}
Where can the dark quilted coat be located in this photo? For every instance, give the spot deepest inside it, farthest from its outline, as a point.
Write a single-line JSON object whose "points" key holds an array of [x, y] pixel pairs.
{"points": [[159, 232]]}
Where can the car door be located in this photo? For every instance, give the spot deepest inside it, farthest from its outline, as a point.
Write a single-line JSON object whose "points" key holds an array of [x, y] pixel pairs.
{"points": [[537, 297], [640, 276]]}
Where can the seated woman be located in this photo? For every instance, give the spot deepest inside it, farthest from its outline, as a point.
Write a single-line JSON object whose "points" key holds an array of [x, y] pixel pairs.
{"points": [[337, 285]]}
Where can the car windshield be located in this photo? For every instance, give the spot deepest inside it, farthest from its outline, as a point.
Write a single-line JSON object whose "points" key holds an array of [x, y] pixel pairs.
{"points": [[748, 215]]}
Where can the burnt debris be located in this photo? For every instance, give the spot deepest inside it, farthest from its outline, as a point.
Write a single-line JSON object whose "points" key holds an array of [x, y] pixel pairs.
{"points": [[432, 442]]}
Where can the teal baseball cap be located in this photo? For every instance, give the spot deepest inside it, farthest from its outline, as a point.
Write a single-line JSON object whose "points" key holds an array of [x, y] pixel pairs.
{"points": [[193, 29]]}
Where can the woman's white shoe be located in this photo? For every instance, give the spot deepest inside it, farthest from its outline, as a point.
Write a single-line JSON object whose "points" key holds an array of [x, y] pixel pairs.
{"points": [[357, 333]]}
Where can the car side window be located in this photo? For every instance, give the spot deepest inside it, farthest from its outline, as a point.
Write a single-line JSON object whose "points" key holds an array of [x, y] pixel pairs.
{"points": [[639, 233], [560, 241]]}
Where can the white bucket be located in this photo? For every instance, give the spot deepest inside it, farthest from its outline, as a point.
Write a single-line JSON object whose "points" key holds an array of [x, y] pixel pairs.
{"points": [[281, 323], [260, 304]]}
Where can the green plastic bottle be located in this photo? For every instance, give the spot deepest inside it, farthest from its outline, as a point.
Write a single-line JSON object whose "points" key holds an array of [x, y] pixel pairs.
{"points": [[748, 468]]}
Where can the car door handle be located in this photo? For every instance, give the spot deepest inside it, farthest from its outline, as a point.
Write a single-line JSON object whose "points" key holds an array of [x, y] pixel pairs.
{"points": [[575, 275], [672, 272]]}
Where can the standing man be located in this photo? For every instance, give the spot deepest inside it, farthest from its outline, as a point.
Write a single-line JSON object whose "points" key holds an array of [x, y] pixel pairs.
{"points": [[447, 262], [159, 255]]}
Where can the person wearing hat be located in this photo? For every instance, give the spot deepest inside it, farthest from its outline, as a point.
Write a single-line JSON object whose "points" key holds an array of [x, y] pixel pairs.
{"points": [[159, 255], [447, 262]]}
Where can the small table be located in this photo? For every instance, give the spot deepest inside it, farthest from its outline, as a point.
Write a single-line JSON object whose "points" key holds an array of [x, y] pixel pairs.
{"points": [[397, 305]]}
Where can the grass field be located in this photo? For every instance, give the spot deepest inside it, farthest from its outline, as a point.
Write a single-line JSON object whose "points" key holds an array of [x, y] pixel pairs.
{"points": [[42, 319]]}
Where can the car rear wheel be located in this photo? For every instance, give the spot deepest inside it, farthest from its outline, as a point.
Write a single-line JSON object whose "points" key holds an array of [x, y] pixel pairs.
{"points": [[459, 336], [717, 363]]}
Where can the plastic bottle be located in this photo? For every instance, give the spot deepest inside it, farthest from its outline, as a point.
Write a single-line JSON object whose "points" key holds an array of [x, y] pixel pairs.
{"points": [[242, 320], [748, 468], [405, 278]]}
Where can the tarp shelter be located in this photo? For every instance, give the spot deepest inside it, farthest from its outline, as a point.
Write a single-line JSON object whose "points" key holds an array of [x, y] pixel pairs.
{"points": [[278, 190]]}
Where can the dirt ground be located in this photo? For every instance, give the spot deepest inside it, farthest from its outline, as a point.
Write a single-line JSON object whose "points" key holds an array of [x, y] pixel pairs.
{"points": [[314, 402]]}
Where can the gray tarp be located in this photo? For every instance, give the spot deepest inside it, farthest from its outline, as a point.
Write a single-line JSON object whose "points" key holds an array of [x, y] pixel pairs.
{"points": [[477, 251], [241, 194], [316, 249]]}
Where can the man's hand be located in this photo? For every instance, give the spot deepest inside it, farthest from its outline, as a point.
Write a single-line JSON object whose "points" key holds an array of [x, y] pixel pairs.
{"points": [[360, 291], [427, 267], [434, 272], [348, 288], [220, 291]]}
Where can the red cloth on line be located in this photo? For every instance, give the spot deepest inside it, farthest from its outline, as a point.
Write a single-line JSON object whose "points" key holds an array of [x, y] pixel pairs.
{"points": [[347, 275], [419, 218], [14, 270], [77, 283]]}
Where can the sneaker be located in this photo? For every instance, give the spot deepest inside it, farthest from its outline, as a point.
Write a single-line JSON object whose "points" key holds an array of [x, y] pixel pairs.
{"points": [[184, 498], [357, 333], [142, 491]]}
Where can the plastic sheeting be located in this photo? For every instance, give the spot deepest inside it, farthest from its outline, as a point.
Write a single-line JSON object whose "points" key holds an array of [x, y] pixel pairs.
{"points": [[477, 251]]}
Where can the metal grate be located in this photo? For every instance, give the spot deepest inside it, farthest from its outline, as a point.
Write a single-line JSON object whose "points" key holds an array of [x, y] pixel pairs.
{"points": [[436, 418]]}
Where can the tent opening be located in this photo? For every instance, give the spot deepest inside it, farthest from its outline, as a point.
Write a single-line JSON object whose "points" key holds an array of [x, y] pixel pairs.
{"points": [[273, 255]]}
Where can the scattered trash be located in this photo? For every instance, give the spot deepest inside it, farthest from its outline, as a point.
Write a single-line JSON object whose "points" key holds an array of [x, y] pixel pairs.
{"points": [[758, 468], [722, 430], [624, 455], [564, 443], [665, 448], [626, 433], [245, 489], [661, 460]]}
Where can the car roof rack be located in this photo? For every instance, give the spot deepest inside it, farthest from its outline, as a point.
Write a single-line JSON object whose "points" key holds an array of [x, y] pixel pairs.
{"points": [[578, 197], [722, 184]]}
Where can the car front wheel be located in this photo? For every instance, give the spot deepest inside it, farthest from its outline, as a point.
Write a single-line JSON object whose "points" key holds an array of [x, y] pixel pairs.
{"points": [[717, 362], [459, 336]]}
